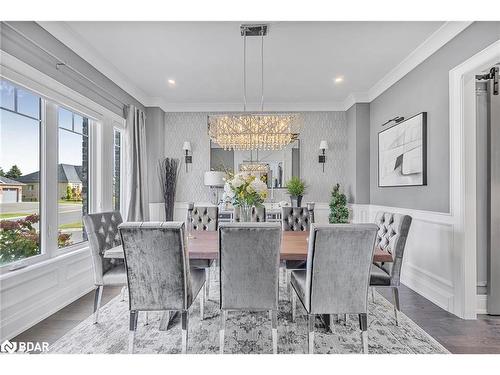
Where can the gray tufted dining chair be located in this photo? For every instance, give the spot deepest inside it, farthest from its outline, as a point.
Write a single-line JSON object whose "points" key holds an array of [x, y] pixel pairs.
{"points": [[258, 214], [392, 233], [103, 234], [159, 274], [203, 219], [337, 274], [249, 255], [296, 219]]}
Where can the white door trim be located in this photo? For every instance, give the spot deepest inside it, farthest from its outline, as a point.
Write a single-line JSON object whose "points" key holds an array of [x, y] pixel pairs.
{"points": [[463, 180]]}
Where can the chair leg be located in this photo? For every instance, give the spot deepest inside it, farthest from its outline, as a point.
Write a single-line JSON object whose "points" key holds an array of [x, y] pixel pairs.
{"points": [[122, 293], [363, 325], [184, 324], [223, 315], [132, 328], [373, 293], [97, 302], [287, 281], [395, 295], [146, 318], [333, 318], [202, 301], [274, 329], [207, 282], [294, 306], [310, 329]]}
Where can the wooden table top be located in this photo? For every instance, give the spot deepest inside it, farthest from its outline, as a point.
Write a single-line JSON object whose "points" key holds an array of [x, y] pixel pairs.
{"points": [[205, 245]]}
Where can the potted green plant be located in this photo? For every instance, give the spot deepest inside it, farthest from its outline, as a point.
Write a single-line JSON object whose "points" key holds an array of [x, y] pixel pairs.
{"points": [[296, 189], [339, 213]]}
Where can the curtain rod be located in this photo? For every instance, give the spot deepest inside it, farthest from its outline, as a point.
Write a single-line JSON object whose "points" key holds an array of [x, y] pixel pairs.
{"points": [[61, 62]]}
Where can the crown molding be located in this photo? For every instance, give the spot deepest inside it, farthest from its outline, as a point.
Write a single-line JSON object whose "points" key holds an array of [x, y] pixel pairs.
{"points": [[238, 106], [359, 97], [62, 32], [433, 43]]}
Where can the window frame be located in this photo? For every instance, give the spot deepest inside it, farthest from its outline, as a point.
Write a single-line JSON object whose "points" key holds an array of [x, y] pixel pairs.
{"points": [[54, 94], [90, 178], [44, 254]]}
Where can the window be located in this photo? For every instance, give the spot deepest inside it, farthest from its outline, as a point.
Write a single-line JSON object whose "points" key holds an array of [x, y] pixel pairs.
{"points": [[73, 172], [117, 136], [48, 181], [20, 129]]}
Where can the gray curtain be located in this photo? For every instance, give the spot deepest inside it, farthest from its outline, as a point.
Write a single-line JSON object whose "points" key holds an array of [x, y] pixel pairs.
{"points": [[138, 205]]}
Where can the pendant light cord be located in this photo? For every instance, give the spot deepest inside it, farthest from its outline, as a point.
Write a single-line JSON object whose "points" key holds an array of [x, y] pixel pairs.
{"points": [[245, 72], [262, 70]]}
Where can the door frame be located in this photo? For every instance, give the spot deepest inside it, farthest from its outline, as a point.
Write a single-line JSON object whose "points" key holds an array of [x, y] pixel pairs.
{"points": [[463, 177]]}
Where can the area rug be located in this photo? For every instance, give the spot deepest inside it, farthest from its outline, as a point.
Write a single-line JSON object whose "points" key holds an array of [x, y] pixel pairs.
{"points": [[247, 332]]}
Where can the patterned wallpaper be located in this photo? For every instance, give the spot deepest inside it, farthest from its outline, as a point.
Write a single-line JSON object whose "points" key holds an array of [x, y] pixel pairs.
{"points": [[330, 126]]}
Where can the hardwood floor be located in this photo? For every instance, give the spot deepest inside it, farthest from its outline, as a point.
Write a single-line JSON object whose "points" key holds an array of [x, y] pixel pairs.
{"points": [[56, 325], [457, 335]]}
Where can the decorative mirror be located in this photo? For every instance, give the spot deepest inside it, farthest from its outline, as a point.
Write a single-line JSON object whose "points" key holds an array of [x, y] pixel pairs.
{"points": [[275, 166]]}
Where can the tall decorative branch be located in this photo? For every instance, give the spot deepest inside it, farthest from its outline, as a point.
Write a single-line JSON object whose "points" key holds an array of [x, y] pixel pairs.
{"points": [[168, 169]]}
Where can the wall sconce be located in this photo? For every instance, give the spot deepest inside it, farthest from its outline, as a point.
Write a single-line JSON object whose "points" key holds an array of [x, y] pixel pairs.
{"points": [[322, 158], [396, 119], [187, 149]]}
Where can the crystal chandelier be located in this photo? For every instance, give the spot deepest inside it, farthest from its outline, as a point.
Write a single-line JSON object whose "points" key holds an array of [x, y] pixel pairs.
{"points": [[249, 131], [254, 167]]}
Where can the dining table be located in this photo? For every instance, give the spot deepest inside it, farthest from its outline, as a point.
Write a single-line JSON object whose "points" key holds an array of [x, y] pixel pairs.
{"points": [[205, 245]]}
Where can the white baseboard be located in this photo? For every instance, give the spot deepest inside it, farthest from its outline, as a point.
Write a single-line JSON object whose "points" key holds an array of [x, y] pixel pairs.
{"points": [[482, 304]]}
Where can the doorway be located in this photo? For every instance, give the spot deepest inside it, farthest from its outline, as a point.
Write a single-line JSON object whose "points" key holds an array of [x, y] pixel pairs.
{"points": [[463, 170], [488, 189]]}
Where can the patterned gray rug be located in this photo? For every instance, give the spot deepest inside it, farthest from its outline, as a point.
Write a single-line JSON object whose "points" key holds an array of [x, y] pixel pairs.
{"points": [[246, 332]]}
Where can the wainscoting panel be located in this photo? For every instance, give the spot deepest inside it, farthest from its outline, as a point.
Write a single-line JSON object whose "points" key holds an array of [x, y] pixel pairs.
{"points": [[32, 294], [428, 262]]}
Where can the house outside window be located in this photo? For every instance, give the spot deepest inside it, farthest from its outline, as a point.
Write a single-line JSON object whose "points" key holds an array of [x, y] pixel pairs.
{"points": [[72, 175]]}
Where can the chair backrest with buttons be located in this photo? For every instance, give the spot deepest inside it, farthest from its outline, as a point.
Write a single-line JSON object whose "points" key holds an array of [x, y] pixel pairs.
{"points": [[295, 219], [103, 234], [205, 218], [392, 233]]}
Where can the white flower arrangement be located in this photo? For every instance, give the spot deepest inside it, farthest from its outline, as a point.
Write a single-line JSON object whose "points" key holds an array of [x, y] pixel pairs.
{"points": [[245, 189]]}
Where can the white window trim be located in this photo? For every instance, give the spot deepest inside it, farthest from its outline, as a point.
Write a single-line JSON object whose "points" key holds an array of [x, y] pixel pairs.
{"points": [[53, 94]]}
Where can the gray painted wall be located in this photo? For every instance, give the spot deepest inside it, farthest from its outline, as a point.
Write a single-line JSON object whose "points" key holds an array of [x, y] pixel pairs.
{"points": [[155, 138], [14, 43], [350, 188], [426, 89], [358, 151], [330, 126]]}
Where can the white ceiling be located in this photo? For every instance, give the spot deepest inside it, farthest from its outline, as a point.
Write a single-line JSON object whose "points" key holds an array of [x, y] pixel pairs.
{"points": [[301, 59]]}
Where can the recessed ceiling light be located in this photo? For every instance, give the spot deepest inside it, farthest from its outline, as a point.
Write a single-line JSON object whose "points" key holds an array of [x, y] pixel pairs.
{"points": [[171, 82], [339, 79]]}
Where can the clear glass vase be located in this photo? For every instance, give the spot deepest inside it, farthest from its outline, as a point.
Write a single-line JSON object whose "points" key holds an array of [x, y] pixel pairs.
{"points": [[245, 213]]}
